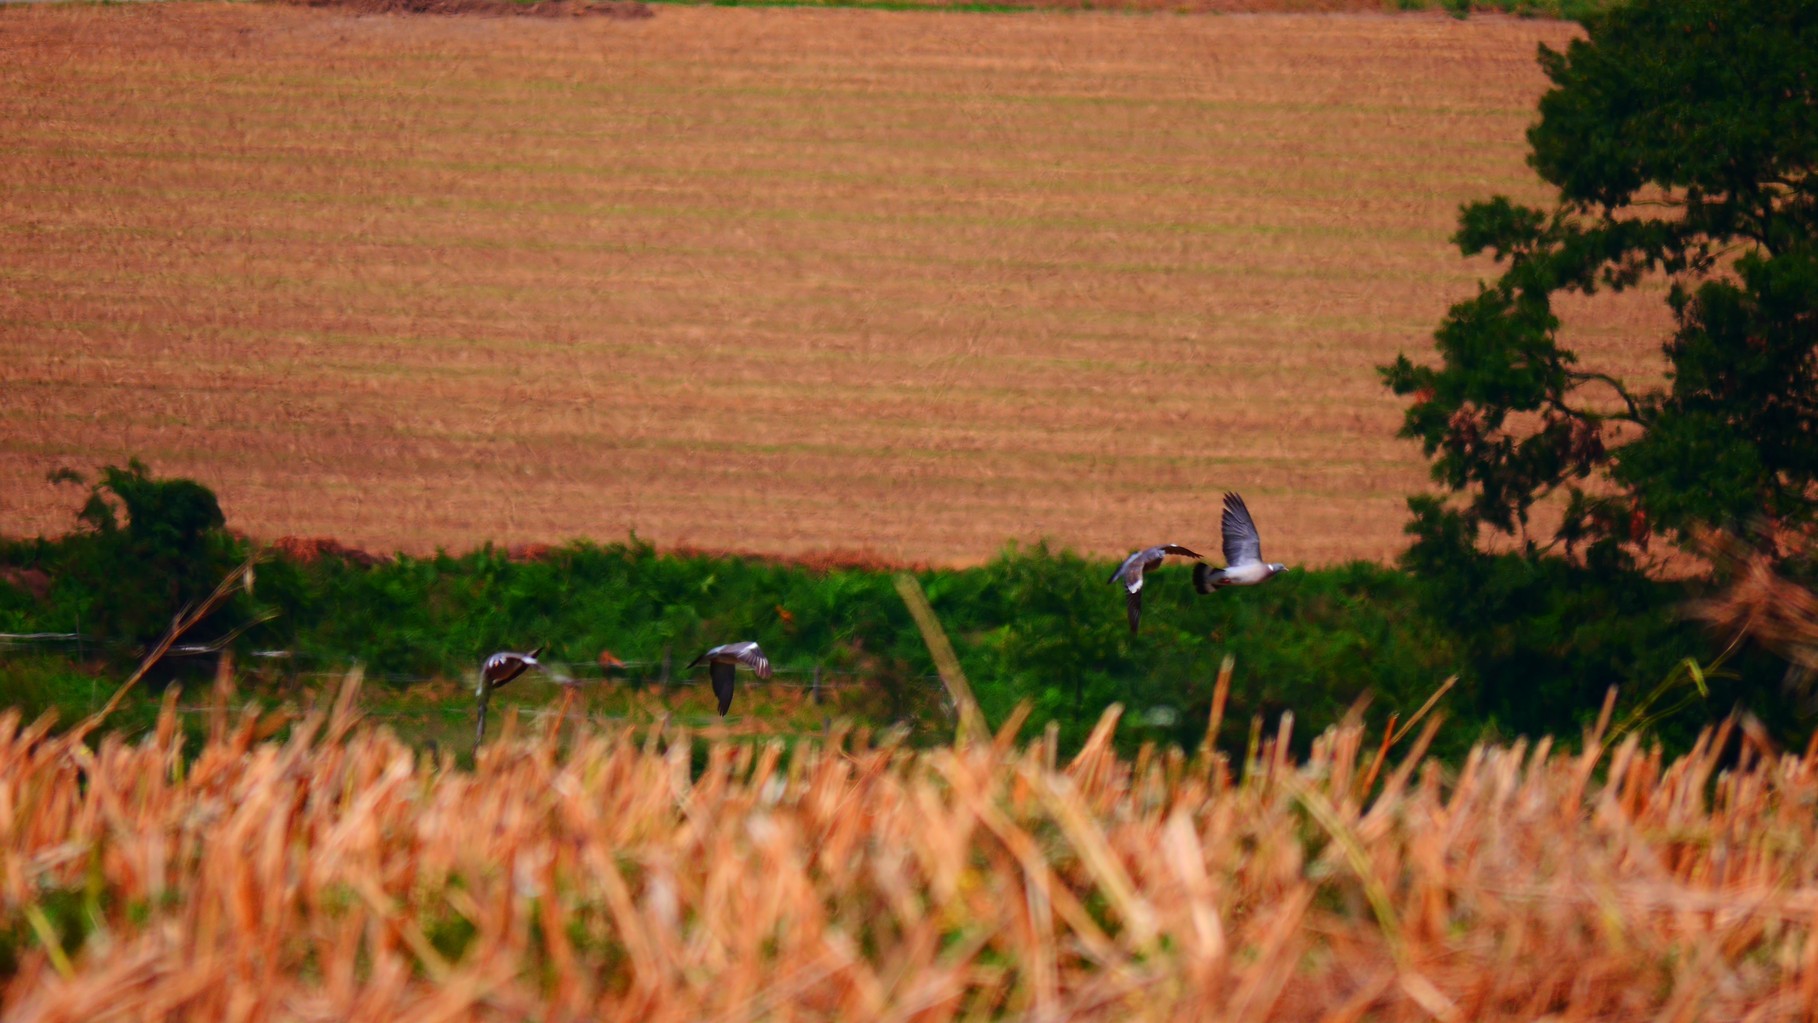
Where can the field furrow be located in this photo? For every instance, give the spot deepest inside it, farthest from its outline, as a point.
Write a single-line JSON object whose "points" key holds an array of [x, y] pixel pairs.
{"points": [[768, 280]]}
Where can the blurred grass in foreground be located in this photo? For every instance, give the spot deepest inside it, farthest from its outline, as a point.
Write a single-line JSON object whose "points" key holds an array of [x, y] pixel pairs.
{"points": [[331, 871]]}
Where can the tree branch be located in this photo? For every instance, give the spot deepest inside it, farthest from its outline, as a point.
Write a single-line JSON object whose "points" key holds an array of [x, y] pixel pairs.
{"points": [[1586, 414], [1634, 416]]}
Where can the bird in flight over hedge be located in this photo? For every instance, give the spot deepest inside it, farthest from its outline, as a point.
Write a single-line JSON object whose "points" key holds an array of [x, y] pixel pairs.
{"points": [[722, 663], [499, 669], [506, 665], [1244, 565], [1130, 573]]}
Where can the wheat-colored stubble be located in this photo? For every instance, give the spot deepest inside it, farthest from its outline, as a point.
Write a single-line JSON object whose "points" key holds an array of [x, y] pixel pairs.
{"points": [[340, 875]]}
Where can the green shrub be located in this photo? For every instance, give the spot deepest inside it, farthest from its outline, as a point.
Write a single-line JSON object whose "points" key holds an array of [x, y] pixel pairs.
{"points": [[1535, 641]]}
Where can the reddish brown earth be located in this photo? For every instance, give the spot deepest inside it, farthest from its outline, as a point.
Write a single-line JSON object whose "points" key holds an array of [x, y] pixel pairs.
{"points": [[541, 9], [789, 281]]}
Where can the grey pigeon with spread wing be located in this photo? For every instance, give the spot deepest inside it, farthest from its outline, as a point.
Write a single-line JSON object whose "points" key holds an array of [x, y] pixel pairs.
{"points": [[722, 664], [506, 665], [1130, 573], [1244, 565], [499, 669]]}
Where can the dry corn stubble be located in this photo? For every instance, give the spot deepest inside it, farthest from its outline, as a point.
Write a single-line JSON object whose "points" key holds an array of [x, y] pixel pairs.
{"points": [[340, 875], [763, 280]]}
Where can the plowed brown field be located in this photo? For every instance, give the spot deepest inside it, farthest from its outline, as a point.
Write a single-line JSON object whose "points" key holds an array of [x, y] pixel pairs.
{"points": [[775, 280]]}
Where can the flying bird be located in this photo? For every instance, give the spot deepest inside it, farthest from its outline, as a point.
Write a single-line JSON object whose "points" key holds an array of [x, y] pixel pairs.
{"points": [[499, 669], [722, 663], [506, 665], [1244, 565], [1130, 573]]}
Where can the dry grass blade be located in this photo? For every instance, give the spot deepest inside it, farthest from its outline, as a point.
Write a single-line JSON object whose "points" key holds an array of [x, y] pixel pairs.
{"points": [[1221, 691], [1444, 687], [946, 662], [1358, 859], [1095, 852], [186, 620]]}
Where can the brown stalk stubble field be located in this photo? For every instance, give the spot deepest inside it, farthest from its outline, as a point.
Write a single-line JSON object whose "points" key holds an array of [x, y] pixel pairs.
{"points": [[340, 875], [770, 280]]}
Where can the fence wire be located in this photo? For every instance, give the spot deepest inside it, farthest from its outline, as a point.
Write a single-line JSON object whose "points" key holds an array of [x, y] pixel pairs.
{"points": [[637, 674]]}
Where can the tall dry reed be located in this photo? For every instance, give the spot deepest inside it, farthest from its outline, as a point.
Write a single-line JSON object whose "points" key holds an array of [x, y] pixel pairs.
{"points": [[337, 874]]}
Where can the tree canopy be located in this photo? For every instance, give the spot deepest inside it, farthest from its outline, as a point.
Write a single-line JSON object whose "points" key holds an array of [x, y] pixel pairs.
{"points": [[172, 551], [1681, 137]]}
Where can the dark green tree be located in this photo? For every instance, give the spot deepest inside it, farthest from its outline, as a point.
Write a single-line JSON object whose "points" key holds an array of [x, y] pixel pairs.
{"points": [[171, 550], [1681, 136]]}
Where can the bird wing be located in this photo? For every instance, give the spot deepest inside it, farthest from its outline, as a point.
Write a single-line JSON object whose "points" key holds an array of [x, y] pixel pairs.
{"points": [[1242, 545], [1133, 578], [722, 673], [1134, 605], [1174, 548], [752, 657], [1136, 559], [504, 666]]}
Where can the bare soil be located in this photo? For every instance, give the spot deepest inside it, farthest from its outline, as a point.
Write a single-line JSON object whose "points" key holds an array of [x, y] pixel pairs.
{"points": [[792, 281], [627, 9]]}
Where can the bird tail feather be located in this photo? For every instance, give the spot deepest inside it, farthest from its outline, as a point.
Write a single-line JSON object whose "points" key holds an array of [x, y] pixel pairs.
{"points": [[1206, 578]]}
